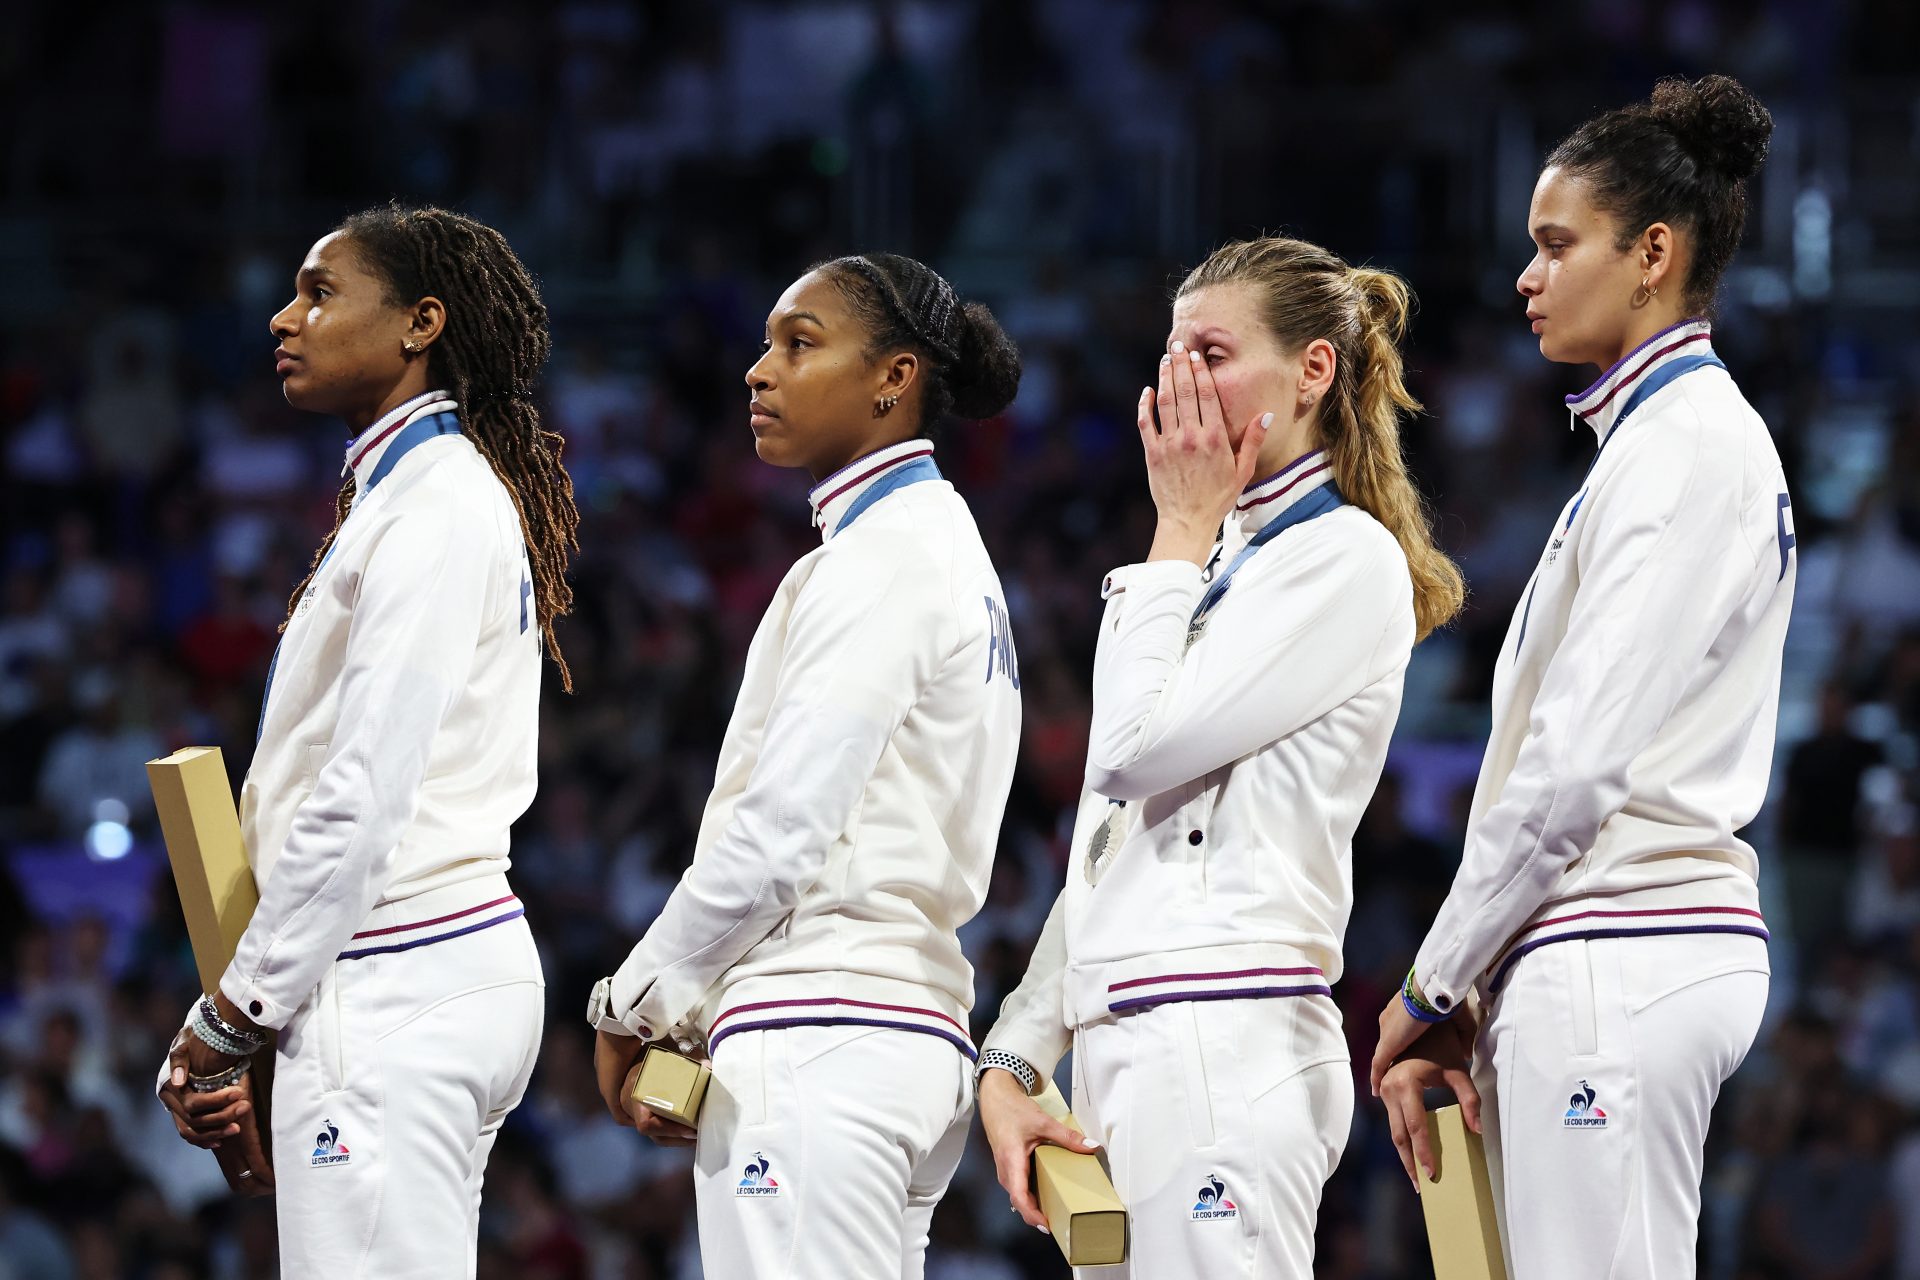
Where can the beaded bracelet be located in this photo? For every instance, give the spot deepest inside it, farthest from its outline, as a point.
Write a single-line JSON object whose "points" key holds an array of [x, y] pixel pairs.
{"points": [[222, 1036], [220, 1079], [1419, 1010]]}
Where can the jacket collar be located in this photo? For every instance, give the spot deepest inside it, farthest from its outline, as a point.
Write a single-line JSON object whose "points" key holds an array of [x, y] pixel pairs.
{"points": [[365, 450], [1264, 499], [1600, 405], [834, 496]]}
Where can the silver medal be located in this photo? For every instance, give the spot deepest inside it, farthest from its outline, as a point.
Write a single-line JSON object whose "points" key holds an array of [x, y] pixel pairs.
{"points": [[1101, 843]]}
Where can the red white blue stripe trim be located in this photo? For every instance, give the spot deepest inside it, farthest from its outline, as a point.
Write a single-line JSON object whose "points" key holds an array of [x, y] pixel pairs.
{"points": [[833, 1011], [1232, 984], [862, 470], [1655, 923], [362, 451], [501, 910], [1637, 363], [1284, 481]]}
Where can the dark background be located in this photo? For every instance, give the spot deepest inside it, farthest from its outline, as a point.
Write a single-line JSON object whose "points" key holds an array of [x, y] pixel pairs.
{"points": [[666, 170]]}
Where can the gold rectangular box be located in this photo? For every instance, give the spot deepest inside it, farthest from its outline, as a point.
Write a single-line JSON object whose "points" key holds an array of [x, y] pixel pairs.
{"points": [[1083, 1210], [210, 869], [1462, 1226], [671, 1085]]}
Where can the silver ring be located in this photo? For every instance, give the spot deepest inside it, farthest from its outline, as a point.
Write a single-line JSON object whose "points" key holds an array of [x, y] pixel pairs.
{"points": [[246, 1173]]}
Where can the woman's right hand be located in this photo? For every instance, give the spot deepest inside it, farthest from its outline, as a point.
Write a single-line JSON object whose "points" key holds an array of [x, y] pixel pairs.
{"points": [[1193, 470], [1015, 1124]]}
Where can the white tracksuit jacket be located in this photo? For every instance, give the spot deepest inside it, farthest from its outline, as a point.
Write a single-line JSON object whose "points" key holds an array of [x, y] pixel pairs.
{"points": [[1635, 697], [1244, 759], [397, 736], [860, 787]]}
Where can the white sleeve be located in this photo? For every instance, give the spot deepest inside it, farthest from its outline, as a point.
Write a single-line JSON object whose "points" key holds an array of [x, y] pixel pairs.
{"points": [[1664, 562], [1282, 649], [1033, 1022], [417, 613], [867, 635]]}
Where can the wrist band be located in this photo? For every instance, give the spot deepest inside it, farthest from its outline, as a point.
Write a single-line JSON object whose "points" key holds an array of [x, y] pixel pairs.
{"points": [[1012, 1063], [1418, 1009]]}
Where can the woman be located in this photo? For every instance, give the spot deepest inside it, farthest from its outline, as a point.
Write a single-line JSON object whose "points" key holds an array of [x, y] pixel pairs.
{"points": [[396, 748], [1605, 910], [811, 944], [1243, 696]]}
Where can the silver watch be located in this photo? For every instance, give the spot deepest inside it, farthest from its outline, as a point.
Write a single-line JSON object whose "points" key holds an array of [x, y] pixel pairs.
{"points": [[600, 1014]]}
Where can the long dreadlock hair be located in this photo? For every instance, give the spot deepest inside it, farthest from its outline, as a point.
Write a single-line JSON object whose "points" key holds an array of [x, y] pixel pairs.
{"points": [[488, 358]]}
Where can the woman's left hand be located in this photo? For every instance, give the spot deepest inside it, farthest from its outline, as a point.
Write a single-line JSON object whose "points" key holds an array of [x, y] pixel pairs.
{"points": [[1398, 1030], [1193, 471]]}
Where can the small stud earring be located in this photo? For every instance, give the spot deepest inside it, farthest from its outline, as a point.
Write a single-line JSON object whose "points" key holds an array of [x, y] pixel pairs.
{"points": [[411, 347], [887, 403]]}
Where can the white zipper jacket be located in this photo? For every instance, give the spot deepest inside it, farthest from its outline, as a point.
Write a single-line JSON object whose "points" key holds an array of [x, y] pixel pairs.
{"points": [[1635, 696], [397, 736], [854, 814], [1244, 757]]}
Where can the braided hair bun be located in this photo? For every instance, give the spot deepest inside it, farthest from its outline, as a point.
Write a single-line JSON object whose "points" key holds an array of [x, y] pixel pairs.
{"points": [[973, 367], [985, 376]]}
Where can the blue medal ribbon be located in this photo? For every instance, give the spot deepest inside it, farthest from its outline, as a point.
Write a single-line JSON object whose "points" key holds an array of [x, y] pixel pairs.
{"points": [[1654, 381], [409, 438], [1317, 503], [914, 472]]}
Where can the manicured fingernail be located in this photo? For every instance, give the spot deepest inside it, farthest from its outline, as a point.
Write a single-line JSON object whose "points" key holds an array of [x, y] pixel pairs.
{"points": [[1266, 420], [1043, 1231], [1178, 347], [1194, 356], [1165, 360]]}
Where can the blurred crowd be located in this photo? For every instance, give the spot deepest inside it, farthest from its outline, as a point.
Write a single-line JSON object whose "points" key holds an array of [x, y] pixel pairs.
{"points": [[666, 170]]}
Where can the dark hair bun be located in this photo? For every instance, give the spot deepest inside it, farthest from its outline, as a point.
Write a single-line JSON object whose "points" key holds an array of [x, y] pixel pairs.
{"points": [[1718, 121], [985, 376]]}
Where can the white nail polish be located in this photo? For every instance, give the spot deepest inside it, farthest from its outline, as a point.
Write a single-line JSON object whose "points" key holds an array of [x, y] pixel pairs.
{"points": [[1266, 420], [1178, 347], [1194, 356]]}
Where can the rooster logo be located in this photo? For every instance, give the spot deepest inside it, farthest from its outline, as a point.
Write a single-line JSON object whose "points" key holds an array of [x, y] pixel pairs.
{"points": [[1213, 1202], [1581, 1111], [755, 1181], [327, 1147]]}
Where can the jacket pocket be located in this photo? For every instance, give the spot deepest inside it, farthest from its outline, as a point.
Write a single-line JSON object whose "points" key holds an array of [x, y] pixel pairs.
{"points": [[329, 1032], [1583, 1014]]}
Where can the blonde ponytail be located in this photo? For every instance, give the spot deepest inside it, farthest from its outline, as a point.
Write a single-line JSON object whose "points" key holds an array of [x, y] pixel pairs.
{"points": [[1367, 460], [1306, 292]]}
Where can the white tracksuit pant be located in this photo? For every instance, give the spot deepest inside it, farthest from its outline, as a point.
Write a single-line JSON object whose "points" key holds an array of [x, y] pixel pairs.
{"points": [[1221, 1120], [390, 1085], [1598, 1066], [824, 1149]]}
